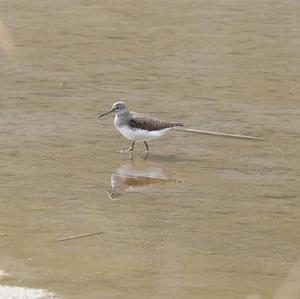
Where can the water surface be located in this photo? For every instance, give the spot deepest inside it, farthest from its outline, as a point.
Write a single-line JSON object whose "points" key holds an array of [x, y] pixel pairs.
{"points": [[202, 217]]}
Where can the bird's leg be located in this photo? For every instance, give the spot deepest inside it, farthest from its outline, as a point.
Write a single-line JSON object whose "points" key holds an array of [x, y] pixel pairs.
{"points": [[147, 147], [130, 149]]}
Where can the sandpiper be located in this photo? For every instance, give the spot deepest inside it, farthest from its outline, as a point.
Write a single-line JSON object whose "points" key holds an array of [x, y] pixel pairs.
{"points": [[135, 126]]}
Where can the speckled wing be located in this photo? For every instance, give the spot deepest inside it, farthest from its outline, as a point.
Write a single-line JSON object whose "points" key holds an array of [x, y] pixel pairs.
{"points": [[144, 122]]}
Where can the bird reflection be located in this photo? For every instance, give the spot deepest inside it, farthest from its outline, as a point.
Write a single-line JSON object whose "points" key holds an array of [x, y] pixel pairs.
{"points": [[131, 178]]}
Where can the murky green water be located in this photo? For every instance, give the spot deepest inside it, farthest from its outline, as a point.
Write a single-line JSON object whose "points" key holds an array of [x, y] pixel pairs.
{"points": [[202, 217]]}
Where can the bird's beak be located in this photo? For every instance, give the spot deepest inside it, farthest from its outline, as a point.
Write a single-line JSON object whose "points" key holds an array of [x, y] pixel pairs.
{"points": [[110, 111]]}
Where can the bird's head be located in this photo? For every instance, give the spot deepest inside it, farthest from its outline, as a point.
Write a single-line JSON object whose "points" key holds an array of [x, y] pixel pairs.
{"points": [[118, 108]]}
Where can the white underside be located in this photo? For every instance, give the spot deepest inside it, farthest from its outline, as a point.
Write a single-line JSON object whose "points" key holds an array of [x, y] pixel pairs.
{"points": [[139, 134]]}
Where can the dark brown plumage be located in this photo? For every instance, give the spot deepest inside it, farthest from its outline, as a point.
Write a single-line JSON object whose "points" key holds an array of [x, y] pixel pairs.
{"points": [[141, 121]]}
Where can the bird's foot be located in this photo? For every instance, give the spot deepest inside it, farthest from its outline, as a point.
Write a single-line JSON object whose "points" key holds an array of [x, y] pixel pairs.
{"points": [[126, 151], [130, 149]]}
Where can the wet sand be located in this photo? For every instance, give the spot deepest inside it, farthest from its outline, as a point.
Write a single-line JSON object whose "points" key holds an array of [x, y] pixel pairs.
{"points": [[202, 217]]}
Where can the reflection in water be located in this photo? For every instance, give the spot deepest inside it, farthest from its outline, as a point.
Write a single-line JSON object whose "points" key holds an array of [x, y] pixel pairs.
{"points": [[21, 292], [132, 178]]}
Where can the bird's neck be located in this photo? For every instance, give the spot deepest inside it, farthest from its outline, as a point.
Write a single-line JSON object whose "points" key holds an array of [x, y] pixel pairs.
{"points": [[121, 118]]}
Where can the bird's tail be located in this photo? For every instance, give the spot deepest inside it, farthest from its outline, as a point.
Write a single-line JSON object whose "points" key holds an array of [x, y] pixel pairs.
{"points": [[218, 134], [177, 125]]}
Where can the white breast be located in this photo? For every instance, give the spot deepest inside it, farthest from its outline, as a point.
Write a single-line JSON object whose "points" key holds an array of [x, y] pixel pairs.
{"points": [[139, 134]]}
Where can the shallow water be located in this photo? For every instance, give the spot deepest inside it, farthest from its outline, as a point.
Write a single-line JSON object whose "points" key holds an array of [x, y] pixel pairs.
{"points": [[201, 217]]}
